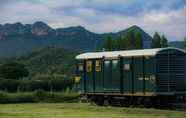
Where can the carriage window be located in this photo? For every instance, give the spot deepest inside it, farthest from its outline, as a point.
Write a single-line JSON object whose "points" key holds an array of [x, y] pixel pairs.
{"points": [[89, 66], [126, 67], [107, 63], [98, 65], [80, 67], [114, 63], [147, 57]]}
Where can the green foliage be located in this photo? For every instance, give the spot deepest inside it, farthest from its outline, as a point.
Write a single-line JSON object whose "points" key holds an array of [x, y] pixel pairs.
{"points": [[42, 77], [119, 44], [37, 96], [40, 94], [164, 42], [32, 85], [49, 77], [138, 41], [9, 85], [13, 70], [50, 61], [109, 43], [16, 97], [156, 42], [185, 42], [159, 41], [130, 40]]}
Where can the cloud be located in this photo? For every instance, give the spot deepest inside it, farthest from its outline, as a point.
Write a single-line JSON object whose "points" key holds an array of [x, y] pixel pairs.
{"points": [[171, 23], [167, 17], [24, 12]]}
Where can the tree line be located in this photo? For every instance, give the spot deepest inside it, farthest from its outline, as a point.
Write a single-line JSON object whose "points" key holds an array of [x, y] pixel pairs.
{"points": [[14, 77], [185, 42], [123, 42], [133, 40]]}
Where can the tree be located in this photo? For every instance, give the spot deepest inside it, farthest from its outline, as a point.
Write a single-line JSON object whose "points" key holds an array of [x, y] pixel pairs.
{"points": [[129, 40], [164, 42], [115, 45], [13, 70], [156, 41], [108, 43], [138, 41], [121, 43], [185, 42]]}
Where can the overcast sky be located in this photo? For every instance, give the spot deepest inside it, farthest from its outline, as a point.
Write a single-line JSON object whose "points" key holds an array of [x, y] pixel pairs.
{"points": [[165, 16]]}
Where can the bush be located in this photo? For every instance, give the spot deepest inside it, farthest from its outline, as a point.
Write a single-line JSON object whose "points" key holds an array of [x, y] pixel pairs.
{"points": [[3, 97], [38, 96], [13, 70], [33, 85], [20, 98], [16, 98], [9, 85]]}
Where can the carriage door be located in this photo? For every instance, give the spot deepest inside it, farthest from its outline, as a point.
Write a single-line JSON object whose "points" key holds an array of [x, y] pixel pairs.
{"points": [[111, 76], [89, 76], [107, 75], [79, 78], [98, 76], [138, 75], [127, 75], [115, 75]]}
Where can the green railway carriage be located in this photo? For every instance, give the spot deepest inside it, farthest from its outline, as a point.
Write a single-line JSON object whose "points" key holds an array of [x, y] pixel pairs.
{"points": [[137, 75]]}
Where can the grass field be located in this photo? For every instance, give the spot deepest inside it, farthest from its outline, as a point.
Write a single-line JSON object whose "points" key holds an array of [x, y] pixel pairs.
{"points": [[81, 110]]}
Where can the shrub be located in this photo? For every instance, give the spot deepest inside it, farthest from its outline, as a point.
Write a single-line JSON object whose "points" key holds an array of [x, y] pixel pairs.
{"points": [[9, 85], [13, 70], [21, 98], [40, 94], [37, 96], [33, 85], [3, 97], [16, 97]]}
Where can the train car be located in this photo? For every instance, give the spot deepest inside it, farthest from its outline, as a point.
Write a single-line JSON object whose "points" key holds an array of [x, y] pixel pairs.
{"points": [[138, 77]]}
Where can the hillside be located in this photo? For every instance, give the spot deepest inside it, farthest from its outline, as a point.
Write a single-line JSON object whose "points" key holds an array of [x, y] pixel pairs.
{"points": [[177, 44], [18, 39], [50, 61], [146, 37]]}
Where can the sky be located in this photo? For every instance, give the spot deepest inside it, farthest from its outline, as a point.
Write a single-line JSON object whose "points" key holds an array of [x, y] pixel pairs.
{"points": [[167, 17]]}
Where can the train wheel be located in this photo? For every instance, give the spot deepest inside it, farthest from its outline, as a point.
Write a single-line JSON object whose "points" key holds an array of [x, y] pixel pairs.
{"points": [[99, 100], [125, 102], [147, 102], [140, 101]]}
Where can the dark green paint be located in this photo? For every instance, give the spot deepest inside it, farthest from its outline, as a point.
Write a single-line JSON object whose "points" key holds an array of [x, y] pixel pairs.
{"points": [[168, 68]]}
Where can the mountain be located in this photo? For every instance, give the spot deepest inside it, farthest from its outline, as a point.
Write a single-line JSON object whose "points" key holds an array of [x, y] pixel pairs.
{"points": [[18, 39], [147, 39], [177, 44]]}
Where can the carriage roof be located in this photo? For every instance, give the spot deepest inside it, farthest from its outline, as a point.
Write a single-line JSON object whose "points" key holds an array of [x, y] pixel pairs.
{"points": [[125, 53]]}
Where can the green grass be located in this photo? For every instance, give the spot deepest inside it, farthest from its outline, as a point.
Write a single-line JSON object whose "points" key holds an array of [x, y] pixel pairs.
{"points": [[81, 110]]}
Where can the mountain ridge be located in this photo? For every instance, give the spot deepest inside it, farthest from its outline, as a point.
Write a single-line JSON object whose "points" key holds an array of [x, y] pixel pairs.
{"points": [[18, 39]]}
